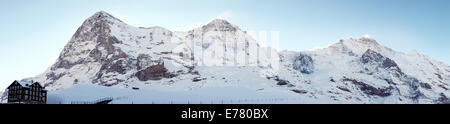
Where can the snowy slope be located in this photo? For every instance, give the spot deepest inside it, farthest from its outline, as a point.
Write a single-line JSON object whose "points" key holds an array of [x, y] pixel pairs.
{"points": [[222, 95], [109, 58], [3, 97]]}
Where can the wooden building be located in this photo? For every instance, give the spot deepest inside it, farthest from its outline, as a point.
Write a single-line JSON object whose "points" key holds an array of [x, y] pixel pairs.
{"points": [[22, 92]]}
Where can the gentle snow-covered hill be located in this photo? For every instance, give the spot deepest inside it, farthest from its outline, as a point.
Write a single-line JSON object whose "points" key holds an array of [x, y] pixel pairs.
{"points": [[220, 61]]}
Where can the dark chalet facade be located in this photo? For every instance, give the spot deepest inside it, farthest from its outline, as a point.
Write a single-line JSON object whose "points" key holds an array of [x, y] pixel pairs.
{"points": [[20, 92]]}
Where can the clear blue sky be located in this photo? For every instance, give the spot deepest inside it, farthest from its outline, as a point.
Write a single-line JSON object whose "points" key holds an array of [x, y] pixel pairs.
{"points": [[33, 32]]}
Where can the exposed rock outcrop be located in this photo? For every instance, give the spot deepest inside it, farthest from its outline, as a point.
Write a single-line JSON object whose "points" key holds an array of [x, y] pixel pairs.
{"points": [[375, 59], [304, 63], [155, 72], [368, 89]]}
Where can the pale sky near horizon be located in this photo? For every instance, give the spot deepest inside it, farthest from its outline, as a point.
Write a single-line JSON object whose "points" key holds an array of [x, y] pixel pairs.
{"points": [[33, 32]]}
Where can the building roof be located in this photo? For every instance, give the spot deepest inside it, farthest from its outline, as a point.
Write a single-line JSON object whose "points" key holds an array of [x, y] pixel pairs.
{"points": [[25, 83]]}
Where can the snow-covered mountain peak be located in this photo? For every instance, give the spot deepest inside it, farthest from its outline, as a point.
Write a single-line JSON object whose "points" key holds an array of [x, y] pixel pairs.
{"points": [[218, 22], [102, 15], [102, 19], [359, 46], [364, 40], [220, 25], [367, 40]]}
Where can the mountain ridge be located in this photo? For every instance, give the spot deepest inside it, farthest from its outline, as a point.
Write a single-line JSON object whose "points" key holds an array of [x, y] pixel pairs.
{"points": [[108, 52]]}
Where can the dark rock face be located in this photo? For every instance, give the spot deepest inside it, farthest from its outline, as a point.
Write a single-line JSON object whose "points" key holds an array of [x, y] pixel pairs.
{"points": [[143, 61], [374, 58], [443, 87], [374, 62], [197, 79], [371, 56], [344, 89], [414, 85], [425, 85], [95, 29], [304, 64], [299, 91], [155, 72], [52, 76], [95, 32], [118, 66], [439, 76], [388, 63], [282, 82], [443, 99], [118, 61], [370, 90]]}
